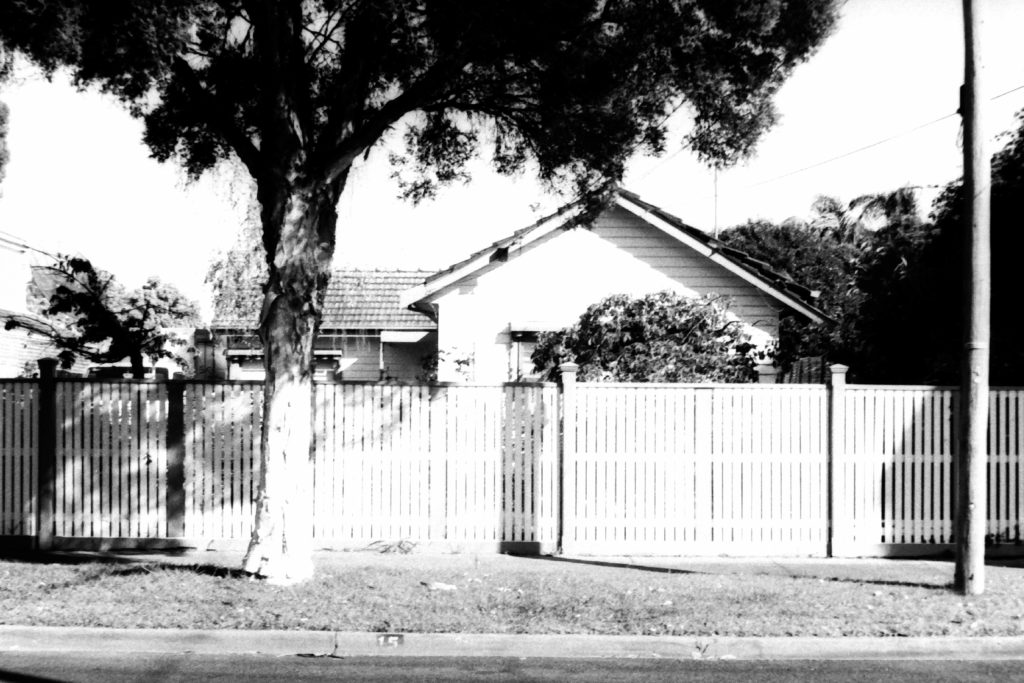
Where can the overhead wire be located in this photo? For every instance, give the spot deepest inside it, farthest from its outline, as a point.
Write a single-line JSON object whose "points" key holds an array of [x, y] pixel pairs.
{"points": [[12, 242], [841, 156]]}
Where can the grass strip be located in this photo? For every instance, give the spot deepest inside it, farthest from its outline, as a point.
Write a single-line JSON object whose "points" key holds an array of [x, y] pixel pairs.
{"points": [[503, 594]]}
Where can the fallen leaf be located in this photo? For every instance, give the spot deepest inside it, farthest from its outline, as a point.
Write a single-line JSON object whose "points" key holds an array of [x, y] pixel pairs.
{"points": [[438, 586]]}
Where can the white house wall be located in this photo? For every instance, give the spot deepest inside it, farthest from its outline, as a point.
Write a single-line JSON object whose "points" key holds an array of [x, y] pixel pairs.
{"points": [[556, 278]]}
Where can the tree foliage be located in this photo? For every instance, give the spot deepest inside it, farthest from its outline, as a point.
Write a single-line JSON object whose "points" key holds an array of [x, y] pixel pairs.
{"points": [[87, 314], [234, 274], [920, 290], [573, 85], [297, 90], [663, 337], [6, 66], [4, 154], [817, 256], [851, 254]]}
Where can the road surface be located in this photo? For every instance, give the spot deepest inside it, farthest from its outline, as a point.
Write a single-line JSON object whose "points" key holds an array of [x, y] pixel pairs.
{"points": [[40, 667]]}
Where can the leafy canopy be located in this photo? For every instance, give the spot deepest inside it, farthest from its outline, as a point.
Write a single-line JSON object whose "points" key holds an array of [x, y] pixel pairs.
{"points": [[663, 337], [234, 274], [297, 90], [842, 251], [86, 313], [919, 284]]}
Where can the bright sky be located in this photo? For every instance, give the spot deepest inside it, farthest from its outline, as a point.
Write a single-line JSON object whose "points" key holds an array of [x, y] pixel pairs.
{"points": [[80, 181]]}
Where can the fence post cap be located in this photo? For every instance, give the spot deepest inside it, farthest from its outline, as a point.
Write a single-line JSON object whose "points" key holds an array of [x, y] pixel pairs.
{"points": [[837, 375], [767, 373], [568, 367]]}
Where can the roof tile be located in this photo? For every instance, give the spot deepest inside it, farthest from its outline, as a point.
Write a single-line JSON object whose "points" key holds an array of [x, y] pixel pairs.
{"points": [[361, 299]]}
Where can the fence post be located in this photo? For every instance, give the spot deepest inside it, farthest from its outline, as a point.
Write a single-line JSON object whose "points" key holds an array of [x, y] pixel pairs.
{"points": [[46, 473], [175, 459], [838, 497], [566, 452], [767, 373]]}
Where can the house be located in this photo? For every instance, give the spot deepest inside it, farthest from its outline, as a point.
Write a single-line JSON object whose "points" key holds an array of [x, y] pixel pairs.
{"points": [[21, 347], [365, 334], [490, 307]]}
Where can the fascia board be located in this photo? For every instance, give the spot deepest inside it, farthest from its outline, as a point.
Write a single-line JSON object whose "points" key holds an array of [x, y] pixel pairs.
{"points": [[429, 290], [704, 250]]}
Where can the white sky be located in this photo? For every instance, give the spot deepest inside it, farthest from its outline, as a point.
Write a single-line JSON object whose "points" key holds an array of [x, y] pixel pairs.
{"points": [[80, 180]]}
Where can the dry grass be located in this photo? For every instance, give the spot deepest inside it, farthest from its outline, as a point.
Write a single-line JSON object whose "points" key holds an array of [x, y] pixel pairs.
{"points": [[503, 594]]}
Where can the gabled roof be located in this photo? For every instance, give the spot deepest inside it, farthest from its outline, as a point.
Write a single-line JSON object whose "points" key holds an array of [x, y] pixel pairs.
{"points": [[758, 273], [359, 299]]}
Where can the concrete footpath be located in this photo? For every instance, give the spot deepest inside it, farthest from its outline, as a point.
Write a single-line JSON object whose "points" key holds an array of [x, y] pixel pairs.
{"points": [[325, 643]]}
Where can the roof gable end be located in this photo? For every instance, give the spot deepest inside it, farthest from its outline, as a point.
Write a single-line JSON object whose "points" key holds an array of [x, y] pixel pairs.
{"points": [[757, 273]]}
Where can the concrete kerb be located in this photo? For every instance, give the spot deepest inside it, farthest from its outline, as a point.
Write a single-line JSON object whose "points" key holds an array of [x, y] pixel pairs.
{"points": [[326, 643]]}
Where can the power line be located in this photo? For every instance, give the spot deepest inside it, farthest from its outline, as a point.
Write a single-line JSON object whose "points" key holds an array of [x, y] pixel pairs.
{"points": [[14, 243], [838, 156], [853, 151], [873, 144]]}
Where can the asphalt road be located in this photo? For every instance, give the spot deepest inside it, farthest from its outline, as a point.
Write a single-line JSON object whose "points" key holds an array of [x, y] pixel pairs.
{"points": [[32, 667]]}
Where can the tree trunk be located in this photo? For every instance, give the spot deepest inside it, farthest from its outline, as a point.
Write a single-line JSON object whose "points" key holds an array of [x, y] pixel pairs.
{"points": [[299, 226]]}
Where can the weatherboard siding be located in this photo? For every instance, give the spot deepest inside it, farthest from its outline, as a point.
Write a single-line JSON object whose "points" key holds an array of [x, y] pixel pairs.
{"points": [[684, 265], [555, 279]]}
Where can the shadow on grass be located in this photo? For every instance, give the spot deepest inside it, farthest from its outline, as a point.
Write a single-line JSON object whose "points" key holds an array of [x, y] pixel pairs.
{"points": [[751, 572], [123, 562], [17, 677]]}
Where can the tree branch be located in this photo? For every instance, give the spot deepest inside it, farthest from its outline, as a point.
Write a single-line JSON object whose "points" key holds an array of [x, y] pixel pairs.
{"points": [[222, 118], [346, 148]]}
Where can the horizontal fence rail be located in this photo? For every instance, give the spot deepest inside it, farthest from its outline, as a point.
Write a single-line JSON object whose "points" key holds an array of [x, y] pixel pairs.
{"points": [[591, 468]]}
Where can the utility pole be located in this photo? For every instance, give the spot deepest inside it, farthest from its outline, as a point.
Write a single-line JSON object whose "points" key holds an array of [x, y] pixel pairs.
{"points": [[971, 513]]}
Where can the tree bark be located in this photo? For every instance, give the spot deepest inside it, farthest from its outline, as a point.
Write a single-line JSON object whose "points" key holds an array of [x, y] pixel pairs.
{"points": [[299, 228]]}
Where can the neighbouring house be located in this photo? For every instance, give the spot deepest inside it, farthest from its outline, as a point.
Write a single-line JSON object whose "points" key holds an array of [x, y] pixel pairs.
{"points": [[365, 334], [490, 307], [21, 349]]}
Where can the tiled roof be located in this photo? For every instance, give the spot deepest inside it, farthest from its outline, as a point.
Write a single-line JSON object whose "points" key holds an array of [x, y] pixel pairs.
{"points": [[361, 299], [369, 299], [779, 281]]}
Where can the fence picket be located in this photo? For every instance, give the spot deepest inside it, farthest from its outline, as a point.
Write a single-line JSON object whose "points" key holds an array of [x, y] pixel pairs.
{"points": [[652, 468]]}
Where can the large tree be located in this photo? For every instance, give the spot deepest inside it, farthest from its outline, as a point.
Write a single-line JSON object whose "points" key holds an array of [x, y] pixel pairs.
{"points": [[297, 90], [86, 313]]}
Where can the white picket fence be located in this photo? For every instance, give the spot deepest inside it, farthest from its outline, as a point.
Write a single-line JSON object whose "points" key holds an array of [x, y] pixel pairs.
{"points": [[676, 469], [111, 460], [18, 455], [462, 465], [642, 468]]}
